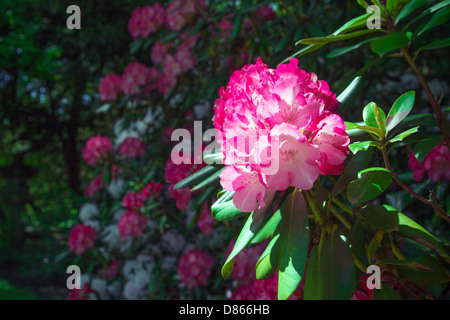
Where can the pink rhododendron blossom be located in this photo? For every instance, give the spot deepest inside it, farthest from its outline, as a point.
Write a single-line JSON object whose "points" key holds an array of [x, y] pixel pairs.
{"points": [[145, 20], [158, 52], [194, 268], [94, 186], [110, 271], [180, 12], [131, 224], [134, 200], [81, 238], [135, 76], [152, 189], [437, 163], [277, 128], [81, 294], [261, 290], [132, 147], [110, 87], [416, 167], [96, 150], [266, 13]]}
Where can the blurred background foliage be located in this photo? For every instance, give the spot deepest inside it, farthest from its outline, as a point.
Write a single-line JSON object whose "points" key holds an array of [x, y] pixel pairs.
{"points": [[49, 78]]}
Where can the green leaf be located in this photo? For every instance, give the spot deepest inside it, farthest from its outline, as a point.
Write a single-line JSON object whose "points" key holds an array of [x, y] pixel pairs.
{"points": [[349, 93], [386, 293], [268, 262], [374, 116], [362, 146], [356, 240], [440, 17], [226, 210], [356, 163], [371, 183], [303, 51], [409, 8], [336, 276], [389, 42], [424, 146], [237, 25], [437, 44], [438, 275], [343, 50], [380, 218], [250, 228], [268, 229], [211, 180], [375, 131], [294, 239], [374, 244], [404, 264], [394, 6], [403, 135], [400, 109], [196, 177], [333, 38], [353, 23], [312, 280]]}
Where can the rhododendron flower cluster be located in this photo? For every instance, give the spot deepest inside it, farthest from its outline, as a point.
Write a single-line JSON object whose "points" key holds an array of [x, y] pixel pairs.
{"points": [[145, 20], [277, 128], [135, 76], [179, 13], [194, 268], [436, 163], [94, 186], [132, 147], [81, 238], [261, 290], [96, 150], [131, 224], [244, 262], [110, 87]]}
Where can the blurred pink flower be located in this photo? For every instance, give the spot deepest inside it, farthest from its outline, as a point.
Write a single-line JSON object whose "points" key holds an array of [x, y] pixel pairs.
{"points": [[95, 185], [110, 87], [81, 294], [244, 262], [416, 167], [134, 200], [206, 221], [96, 150], [158, 52], [131, 224], [437, 163], [135, 76], [145, 20], [194, 268], [152, 189], [81, 238], [132, 147]]}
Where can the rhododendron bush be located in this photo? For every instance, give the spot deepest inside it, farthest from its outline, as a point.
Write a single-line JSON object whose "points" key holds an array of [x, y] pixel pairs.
{"points": [[313, 172]]}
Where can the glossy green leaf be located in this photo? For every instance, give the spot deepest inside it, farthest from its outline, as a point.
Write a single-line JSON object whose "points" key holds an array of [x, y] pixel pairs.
{"points": [[356, 240], [404, 135], [336, 276], [356, 163], [250, 228], [268, 262], [440, 17], [196, 177], [371, 183], [268, 229], [353, 23], [437, 44], [404, 264], [237, 25], [349, 93], [380, 218], [333, 38], [312, 280], [389, 42], [362, 146], [213, 179], [294, 239], [226, 211], [424, 146], [410, 8], [343, 50], [400, 109], [376, 131], [374, 116]]}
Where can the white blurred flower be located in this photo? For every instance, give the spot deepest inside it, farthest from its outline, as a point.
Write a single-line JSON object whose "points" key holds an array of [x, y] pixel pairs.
{"points": [[115, 188], [87, 212], [112, 237]]}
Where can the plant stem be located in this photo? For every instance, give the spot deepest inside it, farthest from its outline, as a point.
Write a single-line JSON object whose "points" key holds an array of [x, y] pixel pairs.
{"points": [[341, 218], [432, 202], [342, 206], [434, 103]]}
